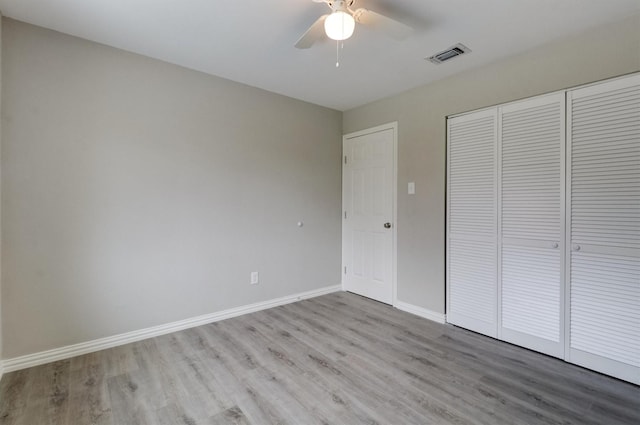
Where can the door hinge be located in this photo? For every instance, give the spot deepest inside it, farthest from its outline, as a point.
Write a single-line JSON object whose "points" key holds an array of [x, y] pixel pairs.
{"points": [[345, 159], [345, 214], [345, 269]]}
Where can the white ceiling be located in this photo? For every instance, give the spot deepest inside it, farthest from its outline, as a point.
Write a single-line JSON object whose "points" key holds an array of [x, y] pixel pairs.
{"points": [[251, 41]]}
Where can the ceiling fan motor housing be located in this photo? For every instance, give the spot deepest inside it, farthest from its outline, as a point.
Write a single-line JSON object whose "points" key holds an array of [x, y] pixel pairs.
{"points": [[341, 5]]}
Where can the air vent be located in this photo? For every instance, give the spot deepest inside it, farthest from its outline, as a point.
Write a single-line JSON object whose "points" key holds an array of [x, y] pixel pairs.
{"points": [[448, 54]]}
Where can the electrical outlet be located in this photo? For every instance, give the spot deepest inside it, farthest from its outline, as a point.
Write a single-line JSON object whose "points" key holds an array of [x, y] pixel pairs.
{"points": [[255, 278]]}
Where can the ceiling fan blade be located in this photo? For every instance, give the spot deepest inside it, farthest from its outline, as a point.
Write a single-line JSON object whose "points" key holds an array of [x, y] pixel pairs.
{"points": [[391, 27], [313, 34]]}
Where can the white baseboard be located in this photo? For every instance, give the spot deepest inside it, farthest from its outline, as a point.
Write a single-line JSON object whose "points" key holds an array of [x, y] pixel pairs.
{"points": [[69, 351], [419, 311], [1, 369]]}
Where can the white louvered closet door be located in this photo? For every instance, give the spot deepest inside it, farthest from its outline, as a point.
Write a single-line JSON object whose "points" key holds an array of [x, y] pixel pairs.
{"points": [[604, 228], [531, 217], [472, 222]]}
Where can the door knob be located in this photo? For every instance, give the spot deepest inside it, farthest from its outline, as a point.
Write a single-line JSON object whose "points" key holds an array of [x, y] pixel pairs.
{"points": [[576, 247], [387, 225], [554, 245]]}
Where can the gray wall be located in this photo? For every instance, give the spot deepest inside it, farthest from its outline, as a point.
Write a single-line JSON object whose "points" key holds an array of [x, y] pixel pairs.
{"points": [[597, 54], [137, 193]]}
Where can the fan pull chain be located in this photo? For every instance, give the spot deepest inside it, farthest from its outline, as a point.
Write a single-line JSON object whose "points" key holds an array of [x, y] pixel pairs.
{"points": [[339, 46]]}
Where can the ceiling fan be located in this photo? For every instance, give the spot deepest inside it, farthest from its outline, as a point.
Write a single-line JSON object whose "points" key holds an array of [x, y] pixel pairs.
{"points": [[340, 24]]}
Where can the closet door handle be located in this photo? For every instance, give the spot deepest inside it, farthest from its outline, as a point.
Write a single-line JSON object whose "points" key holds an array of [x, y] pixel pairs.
{"points": [[554, 245], [576, 247]]}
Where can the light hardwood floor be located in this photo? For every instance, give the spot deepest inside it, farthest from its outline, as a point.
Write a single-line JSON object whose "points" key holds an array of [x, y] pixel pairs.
{"points": [[336, 359]]}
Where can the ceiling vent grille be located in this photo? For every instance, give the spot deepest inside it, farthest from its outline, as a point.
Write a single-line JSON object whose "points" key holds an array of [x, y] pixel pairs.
{"points": [[448, 54]]}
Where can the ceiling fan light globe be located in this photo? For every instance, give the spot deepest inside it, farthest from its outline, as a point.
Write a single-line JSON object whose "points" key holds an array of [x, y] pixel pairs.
{"points": [[339, 25]]}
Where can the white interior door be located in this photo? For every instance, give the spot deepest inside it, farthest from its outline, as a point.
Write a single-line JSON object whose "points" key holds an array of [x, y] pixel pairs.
{"points": [[368, 230], [531, 223], [472, 222], [604, 228]]}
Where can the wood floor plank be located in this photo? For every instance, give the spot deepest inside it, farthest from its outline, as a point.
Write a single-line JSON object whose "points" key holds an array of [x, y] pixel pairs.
{"points": [[89, 401], [196, 390], [295, 360], [14, 390], [231, 371], [232, 416], [174, 415], [47, 395], [335, 359], [130, 406], [115, 361], [351, 406]]}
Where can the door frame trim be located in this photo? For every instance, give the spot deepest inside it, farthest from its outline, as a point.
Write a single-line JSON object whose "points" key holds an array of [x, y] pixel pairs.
{"points": [[394, 199]]}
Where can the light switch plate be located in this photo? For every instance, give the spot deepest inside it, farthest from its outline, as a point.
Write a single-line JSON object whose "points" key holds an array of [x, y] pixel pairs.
{"points": [[411, 188]]}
